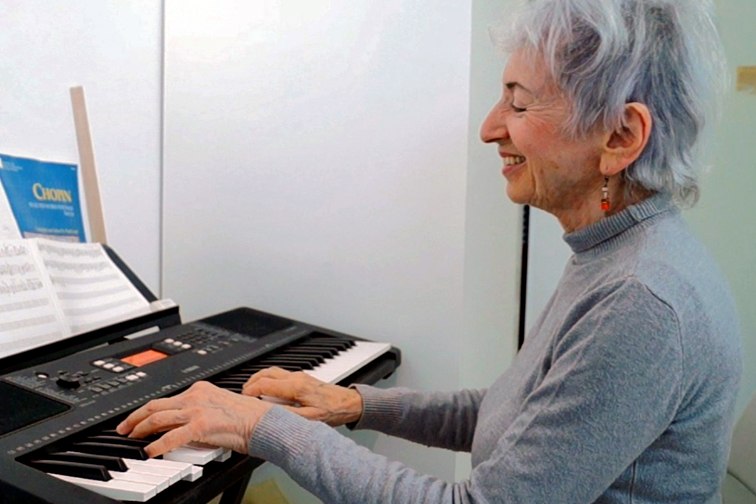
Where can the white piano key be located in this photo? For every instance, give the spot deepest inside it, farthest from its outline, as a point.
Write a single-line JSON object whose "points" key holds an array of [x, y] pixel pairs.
{"points": [[224, 456], [194, 453], [175, 470], [195, 474], [159, 481], [192, 472], [347, 361], [114, 489]]}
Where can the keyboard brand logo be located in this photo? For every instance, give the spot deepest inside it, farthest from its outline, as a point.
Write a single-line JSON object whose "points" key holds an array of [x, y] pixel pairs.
{"points": [[190, 369], [43, 193]]}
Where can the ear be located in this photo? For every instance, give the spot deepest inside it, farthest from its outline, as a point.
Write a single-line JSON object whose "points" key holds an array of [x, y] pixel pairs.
{"points": [[623, 146]]}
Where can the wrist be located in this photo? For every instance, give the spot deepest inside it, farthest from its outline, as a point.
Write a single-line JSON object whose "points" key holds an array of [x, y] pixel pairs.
{"points": [[353, 407], [254, 414]]}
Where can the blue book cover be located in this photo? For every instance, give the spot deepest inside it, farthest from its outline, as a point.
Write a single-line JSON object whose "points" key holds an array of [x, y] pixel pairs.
{"points": [[44, 197]]}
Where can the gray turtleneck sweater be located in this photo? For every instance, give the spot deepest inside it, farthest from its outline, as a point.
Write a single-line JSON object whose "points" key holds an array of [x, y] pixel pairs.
{"points": [[623, 391]]}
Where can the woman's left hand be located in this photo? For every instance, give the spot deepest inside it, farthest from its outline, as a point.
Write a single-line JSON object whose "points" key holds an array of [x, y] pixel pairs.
{"points": [[203, 413], [306, 396]]}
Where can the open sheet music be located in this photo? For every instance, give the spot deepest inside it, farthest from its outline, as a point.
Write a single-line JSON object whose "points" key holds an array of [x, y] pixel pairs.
{"points": [[50, 290], [8, 225]]}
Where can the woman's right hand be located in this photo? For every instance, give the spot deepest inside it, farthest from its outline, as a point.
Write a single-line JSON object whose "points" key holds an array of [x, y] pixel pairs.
{"points": [[308, 396]]}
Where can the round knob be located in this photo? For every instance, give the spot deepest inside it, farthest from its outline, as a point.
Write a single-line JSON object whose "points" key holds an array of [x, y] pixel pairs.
{"points": [[68, 382]]}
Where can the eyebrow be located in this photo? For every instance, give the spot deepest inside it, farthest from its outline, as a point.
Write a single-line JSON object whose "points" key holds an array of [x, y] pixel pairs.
{"points": [[513, 84]]}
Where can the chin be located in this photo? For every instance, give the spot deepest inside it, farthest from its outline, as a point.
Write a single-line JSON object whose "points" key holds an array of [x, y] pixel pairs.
{"points": [[517, 195]]}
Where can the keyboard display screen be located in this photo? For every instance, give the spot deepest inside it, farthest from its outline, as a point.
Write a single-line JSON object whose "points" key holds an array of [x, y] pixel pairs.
{"points": [[143, 358]]}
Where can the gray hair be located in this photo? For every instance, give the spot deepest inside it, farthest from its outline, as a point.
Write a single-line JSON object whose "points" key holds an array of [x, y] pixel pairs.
{"points": [[603, 54]]}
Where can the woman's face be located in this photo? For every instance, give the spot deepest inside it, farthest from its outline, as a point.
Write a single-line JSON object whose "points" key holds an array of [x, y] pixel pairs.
{"points": [[543, 166]]}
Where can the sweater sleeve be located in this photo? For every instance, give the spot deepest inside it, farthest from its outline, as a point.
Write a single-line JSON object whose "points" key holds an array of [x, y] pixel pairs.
{"points": [[338, 470], [439, 419], [610, 390]]}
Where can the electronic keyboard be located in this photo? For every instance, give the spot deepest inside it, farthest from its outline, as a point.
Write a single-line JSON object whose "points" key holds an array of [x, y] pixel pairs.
{"points": [[57, 437]]}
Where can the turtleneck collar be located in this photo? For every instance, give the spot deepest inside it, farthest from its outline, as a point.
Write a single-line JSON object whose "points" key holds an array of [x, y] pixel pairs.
{"points": [[599, 233]]}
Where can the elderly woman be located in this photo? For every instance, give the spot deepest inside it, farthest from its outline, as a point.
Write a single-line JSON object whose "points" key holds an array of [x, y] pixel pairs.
{"points": [[625, 387]]}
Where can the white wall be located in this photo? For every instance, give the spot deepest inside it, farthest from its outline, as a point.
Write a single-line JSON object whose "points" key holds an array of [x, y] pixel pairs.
{"points": [[112, 48], [316, 165]]}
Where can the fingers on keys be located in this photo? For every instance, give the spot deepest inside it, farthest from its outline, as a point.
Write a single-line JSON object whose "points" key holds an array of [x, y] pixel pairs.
{"points": [[268, 374], [151, 417], [170, 441], [277, 382]]}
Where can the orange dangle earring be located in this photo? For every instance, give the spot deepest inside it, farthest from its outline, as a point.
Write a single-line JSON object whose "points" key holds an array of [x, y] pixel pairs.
{"points": [[605, 195]]}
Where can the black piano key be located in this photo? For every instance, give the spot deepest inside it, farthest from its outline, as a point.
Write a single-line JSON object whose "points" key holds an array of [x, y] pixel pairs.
{"points": [[339, 344], [109, 463], [114, 433], [321, 345], [286, 366], [78, 469], [235, 376], [120, 440], [231, 387], [291, 364], [109, 432], [224, 383], [250, 370], [311, 357], [116, 450], [290, 357], [317, 350], [314, 361], [282, 363]]}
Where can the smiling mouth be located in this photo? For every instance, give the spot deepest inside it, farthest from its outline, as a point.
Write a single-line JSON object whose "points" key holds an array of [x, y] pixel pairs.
{"points": [[513, 160]]}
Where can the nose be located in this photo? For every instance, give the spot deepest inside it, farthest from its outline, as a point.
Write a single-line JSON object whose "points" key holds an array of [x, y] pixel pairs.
{"points": [[494, 127]]}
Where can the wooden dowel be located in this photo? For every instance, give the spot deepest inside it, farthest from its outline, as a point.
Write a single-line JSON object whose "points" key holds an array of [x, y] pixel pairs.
{"points": [[87, 165]]}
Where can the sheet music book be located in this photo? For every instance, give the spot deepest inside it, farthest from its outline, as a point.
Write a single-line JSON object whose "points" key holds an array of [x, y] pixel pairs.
{"points": [[50, 290], [40, 199], [8, 226]]}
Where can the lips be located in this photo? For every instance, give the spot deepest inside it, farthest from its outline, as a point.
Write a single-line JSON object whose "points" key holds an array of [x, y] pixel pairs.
{"points": [[512, 162]]}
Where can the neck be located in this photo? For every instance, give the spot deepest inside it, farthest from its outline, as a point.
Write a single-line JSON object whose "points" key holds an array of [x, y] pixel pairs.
{"points": [[589, 212]]}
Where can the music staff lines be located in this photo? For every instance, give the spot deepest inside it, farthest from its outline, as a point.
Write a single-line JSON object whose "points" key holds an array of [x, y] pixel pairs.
{"points": [[28, 285], [64, 281], [77, 268], [30, 322], [89, 310], [24, 305], [13, 250], [93, 294], [69, 252], [17, 269]]}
